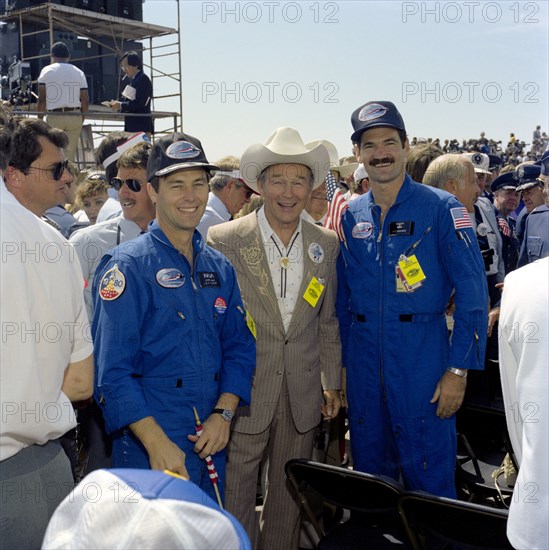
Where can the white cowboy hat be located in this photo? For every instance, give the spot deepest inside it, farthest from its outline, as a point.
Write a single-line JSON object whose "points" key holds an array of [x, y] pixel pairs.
{"points": [[284, 146], [345, 169]]}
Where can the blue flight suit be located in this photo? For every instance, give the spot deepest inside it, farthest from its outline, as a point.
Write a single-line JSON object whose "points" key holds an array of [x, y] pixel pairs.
{"points": [[395, 344], [535, 243], [171, 341]]}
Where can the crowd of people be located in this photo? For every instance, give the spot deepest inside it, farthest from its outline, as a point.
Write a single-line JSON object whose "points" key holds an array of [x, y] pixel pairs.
{"points": [[515, 152], [233, 307]]}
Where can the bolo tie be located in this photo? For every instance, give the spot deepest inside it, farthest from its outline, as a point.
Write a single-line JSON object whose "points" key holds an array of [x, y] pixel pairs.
{"points": [[284, 263]]}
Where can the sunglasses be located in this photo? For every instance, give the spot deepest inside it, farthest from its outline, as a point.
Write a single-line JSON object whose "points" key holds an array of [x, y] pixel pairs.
{"points": [[56, 170], [133, 184]]}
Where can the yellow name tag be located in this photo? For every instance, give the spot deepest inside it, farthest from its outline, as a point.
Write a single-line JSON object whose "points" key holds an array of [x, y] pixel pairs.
{"points": [[411, 270], [251, 324], [313, 292]]}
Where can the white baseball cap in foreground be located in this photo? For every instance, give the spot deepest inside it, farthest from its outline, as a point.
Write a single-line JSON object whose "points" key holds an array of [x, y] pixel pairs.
{"points": [[131, 508]]}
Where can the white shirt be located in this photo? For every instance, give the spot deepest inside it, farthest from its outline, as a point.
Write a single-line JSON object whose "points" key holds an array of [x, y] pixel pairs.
{"points": [[63, 84], [286, 281], [523, 361], [44, 327], [216, 212], [91, 244]]}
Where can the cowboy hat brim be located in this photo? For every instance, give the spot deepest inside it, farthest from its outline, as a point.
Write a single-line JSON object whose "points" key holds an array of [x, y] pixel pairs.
{"points": [[258, 157]]}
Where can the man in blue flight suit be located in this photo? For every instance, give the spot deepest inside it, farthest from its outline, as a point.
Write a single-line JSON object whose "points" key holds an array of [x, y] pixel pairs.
{"points": [[169, 329], [407, 248], [535, 244]]}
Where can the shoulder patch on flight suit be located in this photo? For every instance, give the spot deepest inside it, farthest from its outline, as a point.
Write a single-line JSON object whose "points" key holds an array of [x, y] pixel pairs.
{"points": [[112, 284]]}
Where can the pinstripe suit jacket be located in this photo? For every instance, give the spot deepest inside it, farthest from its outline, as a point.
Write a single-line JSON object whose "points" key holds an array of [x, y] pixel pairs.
{"points": [[309, 354]]}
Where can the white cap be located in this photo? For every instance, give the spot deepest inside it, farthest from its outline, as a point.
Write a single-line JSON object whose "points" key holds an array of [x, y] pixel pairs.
{"points": [[124, 146], [481, 162], [360, 173], [130, 508]]}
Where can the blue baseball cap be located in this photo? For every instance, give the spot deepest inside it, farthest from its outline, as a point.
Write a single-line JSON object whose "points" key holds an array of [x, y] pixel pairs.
{"points": [[174, 152], [495, 162], [374, 114], [505, 181]]}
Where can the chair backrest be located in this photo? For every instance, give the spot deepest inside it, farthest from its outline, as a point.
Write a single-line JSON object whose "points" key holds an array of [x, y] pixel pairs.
{"points": [[356, 491], [431, 521]]}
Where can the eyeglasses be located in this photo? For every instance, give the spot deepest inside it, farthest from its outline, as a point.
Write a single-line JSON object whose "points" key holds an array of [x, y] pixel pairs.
{"points": [[56, 170], [133, 184], [249, 192]]}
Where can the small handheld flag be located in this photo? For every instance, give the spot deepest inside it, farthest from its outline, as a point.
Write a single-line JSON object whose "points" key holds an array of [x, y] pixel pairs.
{"points": [[337, 206], [212, 472]]}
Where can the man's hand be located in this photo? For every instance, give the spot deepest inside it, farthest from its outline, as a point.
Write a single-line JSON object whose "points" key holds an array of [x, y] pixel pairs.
{"points": [[166, 455], [115, 105], [449, 394], [214, 438], [493, 316], [163, 453], [332, 404]]}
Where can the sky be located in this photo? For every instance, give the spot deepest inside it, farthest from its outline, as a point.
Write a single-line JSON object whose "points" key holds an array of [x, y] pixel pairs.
{"points": [[453, 69]]}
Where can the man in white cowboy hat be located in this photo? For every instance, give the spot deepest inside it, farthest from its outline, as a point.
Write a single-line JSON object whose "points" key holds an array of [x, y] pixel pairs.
{"points": [[286, 269]]}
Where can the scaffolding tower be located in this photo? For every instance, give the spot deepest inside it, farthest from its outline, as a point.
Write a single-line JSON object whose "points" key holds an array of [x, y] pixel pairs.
{"points": [[161, 45]]}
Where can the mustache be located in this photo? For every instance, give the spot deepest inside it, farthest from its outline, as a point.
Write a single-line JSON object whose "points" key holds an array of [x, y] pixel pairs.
{"points": [[376, 162]]}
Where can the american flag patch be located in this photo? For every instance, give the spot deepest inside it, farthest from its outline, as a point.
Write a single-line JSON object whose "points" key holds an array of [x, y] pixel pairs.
{"points": [[504, 226], [461, 217]]}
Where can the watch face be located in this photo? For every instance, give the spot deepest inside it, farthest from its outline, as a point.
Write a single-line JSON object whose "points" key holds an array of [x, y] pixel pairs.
{"points": [[228, 415]]}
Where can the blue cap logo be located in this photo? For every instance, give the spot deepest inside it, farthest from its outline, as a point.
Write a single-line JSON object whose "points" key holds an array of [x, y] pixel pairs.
{"points": [[371, 112], [182, 150], [477, 158]]}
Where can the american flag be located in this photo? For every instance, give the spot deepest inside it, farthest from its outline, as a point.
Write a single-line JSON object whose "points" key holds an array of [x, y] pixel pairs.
{"points": [[461, 217], [336, 207], [504, 226], [212, 472]]}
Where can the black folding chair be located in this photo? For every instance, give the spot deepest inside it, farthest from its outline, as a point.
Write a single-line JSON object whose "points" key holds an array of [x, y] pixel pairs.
{"points": [[442, 523], [372, 501]]}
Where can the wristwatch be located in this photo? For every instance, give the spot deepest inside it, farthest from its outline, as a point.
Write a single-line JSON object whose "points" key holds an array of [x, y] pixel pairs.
{"points": [[458, 372], [226, 414]]}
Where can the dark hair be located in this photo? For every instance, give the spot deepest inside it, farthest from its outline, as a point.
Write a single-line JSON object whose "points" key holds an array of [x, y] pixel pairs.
{"points": [[132, 59], [26, 147], [60, 50], [401, 134], [107, 147], [419, 159], [6, 131], [135, 157], [155, 181]]}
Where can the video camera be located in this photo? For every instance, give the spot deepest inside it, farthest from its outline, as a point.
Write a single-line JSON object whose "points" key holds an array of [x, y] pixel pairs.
{"points": [[16, 84]]}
